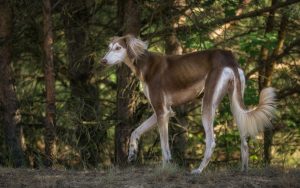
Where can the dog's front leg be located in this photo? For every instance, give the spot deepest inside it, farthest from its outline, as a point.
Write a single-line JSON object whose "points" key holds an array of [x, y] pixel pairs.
{"points": [[163, 121], [137, 133]]}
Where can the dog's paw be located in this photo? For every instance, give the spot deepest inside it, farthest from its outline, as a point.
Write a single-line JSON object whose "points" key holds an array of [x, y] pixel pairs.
{"points": [[196, 171], [132, 156]]}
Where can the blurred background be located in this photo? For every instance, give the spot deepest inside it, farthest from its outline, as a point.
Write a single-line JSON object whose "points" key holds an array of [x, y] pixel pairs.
{"points": [[60, 108]]}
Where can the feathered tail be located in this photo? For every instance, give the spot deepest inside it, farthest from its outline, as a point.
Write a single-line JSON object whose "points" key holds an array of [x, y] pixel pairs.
{"points": [[252, 121]]}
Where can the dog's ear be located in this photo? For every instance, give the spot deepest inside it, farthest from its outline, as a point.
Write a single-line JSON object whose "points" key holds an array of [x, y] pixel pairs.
{"points": [[129, 45], [135, 47], [114, 38]]}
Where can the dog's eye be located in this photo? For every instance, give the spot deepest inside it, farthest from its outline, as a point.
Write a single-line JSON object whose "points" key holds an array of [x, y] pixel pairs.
{"points": [[118, 48]]}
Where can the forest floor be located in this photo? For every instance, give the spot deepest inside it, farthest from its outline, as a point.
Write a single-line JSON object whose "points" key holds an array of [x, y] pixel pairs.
{"points": [[144, 177]]}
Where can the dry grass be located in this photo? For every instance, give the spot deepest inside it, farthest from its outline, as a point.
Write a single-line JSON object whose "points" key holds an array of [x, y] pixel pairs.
{"points": [[144, 177]]}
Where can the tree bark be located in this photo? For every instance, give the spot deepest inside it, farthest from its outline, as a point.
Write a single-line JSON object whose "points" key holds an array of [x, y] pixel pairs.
{"points": [[84, 99], [264, 55], [8, 98], [269, 66], [220, 30], [278, 49], [172, 44], [127, 85], [254, 13], [83, 90], [285, 52], [50, 125], [173, 47], [267, 62]]}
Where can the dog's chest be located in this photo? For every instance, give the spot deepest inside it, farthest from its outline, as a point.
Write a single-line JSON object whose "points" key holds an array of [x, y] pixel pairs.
{"points": [[146, 90]]}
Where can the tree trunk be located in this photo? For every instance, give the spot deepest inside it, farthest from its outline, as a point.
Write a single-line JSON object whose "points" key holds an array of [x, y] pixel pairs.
{"points": [[221, 29], [128, 15], [266, 70], [264, 53], [84, 99], [278, 49], [268, 134], [50, 124], [83, 91], [173, 47], [8, 98]]}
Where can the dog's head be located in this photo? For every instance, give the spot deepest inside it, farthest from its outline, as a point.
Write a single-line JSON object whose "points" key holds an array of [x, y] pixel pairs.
{"points": [[124, 47]]}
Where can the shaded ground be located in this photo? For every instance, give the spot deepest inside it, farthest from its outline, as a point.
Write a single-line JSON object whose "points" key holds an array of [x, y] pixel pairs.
{"points": [[141, 177]]}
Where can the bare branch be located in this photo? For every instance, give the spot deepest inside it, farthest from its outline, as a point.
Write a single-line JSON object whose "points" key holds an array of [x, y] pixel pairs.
{"points": [[285, 52], [288, 92], [238, 17]]}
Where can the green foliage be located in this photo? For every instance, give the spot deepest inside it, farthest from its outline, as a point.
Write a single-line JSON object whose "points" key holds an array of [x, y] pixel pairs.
{"points": [[83, 143], [255, 40]]}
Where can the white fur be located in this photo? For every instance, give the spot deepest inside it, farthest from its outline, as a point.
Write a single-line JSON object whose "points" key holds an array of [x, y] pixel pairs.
{"points": [[136, 134], [208, 117], [253, 121], [116, 54], [137, 46], [163, 127], [243, 81], [146, 91], [250, 122], [244, 153]]}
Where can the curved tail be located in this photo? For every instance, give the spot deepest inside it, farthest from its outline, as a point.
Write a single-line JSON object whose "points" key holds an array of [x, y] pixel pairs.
{"points": [[252, 121]]}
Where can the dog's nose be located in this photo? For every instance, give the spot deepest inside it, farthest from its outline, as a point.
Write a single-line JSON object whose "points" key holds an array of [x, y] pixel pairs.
{"points": [[104, 61]]}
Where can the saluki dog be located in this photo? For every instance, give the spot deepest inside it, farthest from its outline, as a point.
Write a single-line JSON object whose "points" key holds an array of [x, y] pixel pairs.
{"points": [[170, 80]]}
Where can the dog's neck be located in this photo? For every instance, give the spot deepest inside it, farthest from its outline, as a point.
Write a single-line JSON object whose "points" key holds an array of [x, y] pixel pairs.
{"points": [[130, 63], [138, 65]]}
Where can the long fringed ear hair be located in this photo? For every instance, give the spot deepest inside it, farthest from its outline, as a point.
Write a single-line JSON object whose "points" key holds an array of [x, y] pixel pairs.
{"points": [[113, 39], [135, 47]]}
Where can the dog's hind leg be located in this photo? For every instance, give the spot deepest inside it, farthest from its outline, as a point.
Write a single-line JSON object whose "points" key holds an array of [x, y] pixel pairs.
{"points": [[244, 153], [244, 144], [216, 87]]}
